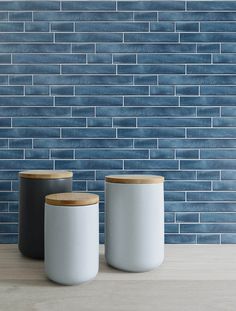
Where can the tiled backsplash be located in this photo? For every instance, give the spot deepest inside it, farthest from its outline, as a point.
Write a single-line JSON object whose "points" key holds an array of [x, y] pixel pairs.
{"points": [[106, 87]]}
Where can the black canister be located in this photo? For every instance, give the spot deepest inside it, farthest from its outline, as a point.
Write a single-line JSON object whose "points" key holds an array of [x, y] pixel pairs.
{"points": [[34, 186]]}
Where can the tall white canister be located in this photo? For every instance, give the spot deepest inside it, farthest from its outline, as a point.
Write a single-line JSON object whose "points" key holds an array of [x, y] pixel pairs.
{"points": [[134, 222], [71, 237]]}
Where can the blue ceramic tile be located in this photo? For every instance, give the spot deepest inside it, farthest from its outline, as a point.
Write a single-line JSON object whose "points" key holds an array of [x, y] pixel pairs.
{"points": [[218, 27], [36, 90], [208, 238], [111, 154], [11, 27], [197, 16], [61, 90], [90, 80], [99, 58], [8, 238], [89, 101], [83, 48], [211, 196], [87, 37], [146, 48], [151, 5], [211, 6], [198, 143], [149, 133], [83, 143], [187, 217], [48, 58], [36, 27], [29, 69], [153, 100], [150, 69], [88, 164], [208, 175], [187, 186], [25, 101], [62, 154], [211, 133], [88, 5], [35, 48], [169, 217], [111, 90], [208, 228], [187, 154], [151, 37], [89, 132], [29, 5], [200, 207], [112, 27], [124, 122], [174, 122], [219, 90], [208, 48], [228, 175], [21, 16], [211, 69], [26, 37], [218, 217], [162, 27], [197, 79], [145, 16], [88, 69], [49, 122], [99, 122], [145, 143], [83, 16], [187, 27], [145, 111], [218, 154], [151, 164], [162, 154], [180, 239], [228, 238], [173, 58]]}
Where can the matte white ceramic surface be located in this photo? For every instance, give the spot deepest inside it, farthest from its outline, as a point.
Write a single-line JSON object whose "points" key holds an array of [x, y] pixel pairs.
{"points": [[71, 243], [134, 226]]}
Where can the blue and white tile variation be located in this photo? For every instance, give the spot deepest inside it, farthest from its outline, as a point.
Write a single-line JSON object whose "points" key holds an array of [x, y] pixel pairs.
{"points": [[130, 86]]}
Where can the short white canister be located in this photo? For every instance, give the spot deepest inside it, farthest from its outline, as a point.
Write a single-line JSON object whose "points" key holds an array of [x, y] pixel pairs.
{"points": [[134, 222], [71, 237]]}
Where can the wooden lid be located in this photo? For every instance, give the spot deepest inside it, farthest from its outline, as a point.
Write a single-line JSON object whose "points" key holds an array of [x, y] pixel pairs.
{"points": [[72, 199], [135, 179], [46, 174]]}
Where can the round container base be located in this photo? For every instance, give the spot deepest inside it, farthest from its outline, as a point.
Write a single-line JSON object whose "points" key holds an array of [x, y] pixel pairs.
{"points": [[66, 283], [133, 269]]}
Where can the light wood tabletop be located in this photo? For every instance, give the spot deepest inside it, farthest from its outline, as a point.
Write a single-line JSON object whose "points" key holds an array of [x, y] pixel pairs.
{"points": [[192, 278]]}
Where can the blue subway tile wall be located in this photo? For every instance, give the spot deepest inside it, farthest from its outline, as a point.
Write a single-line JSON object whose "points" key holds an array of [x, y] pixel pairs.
{"points": [[113, 87]]}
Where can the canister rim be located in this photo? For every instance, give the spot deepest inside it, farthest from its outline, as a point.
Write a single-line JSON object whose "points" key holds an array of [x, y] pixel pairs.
{"points": [[135, 179], [72, 199], [46, 174]]}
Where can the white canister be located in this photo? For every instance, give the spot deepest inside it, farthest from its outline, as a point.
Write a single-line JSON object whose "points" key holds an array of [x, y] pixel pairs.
{"points": [[134, 222], [71, 237]]}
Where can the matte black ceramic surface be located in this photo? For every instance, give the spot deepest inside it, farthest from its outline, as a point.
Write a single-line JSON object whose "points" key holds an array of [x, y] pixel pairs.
{"points": [[31, 217]]}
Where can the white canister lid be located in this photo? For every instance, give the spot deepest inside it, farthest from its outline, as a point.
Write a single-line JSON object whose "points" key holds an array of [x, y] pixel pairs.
{"points": [[135, 179], [72, 199]]}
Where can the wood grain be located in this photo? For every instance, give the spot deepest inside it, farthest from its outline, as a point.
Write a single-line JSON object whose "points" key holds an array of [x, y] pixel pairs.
{"points": [[135, 179], [46, 174], [72, 199], [193, 277]]}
